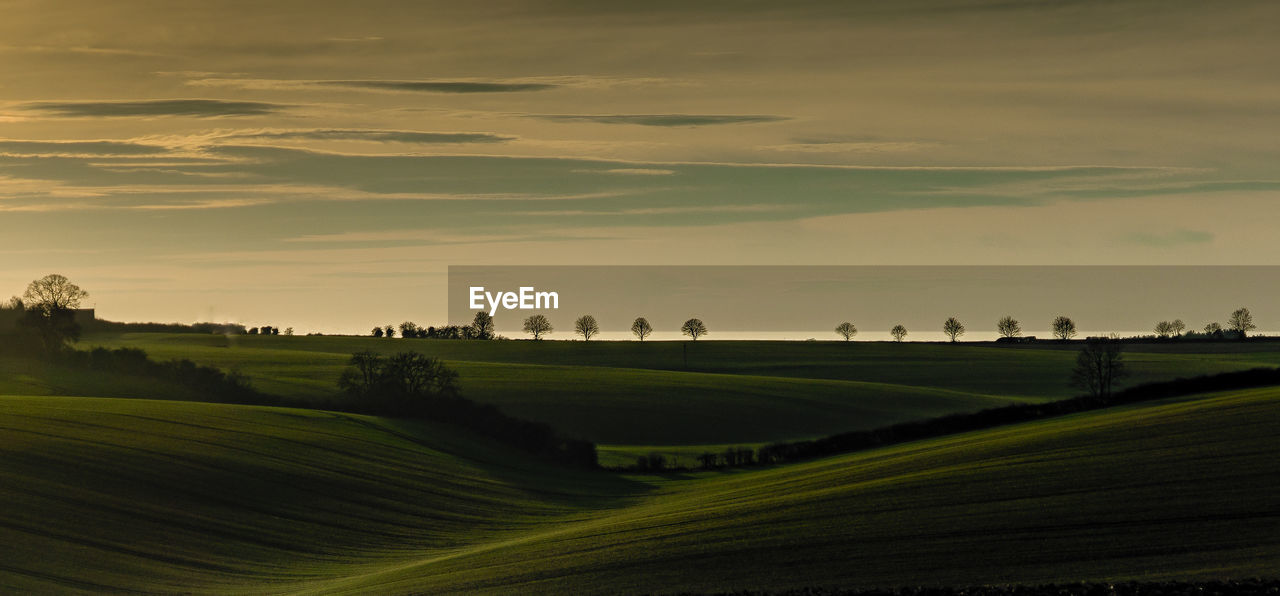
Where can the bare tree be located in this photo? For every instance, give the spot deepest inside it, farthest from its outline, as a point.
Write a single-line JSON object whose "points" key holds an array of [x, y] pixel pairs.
{"points": [[50, 304], [1164, 329], [953, 328], [537, 326], [389, 331], [1008, 327], [363, 374], [846, 330], [898, 332], [1064, 328], [1099, 366], [53, 292], [482, 325], [694, 328], [586, 326], [641, 328], [1242, 321], [1177, 327], [1213, 329]]}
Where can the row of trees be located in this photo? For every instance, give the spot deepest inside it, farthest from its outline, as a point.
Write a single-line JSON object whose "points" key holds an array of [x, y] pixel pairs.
{"points": [[1240, 322], [481, 327], [586, 326], [538, 326], [268, 330]]}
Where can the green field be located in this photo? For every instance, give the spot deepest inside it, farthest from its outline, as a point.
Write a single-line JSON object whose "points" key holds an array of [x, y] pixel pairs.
{"points": [[733, 392], [117, 495], [111, 493]]}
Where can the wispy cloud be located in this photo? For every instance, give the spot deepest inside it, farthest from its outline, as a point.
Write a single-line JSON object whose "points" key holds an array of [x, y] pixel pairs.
{"points": [[438, 86], [382, 85], [1178, 237], [391, 136], [674, 210], [852, 147], [25, 148], [422, 237], [199, 108], [629, 171], [663, 119]]}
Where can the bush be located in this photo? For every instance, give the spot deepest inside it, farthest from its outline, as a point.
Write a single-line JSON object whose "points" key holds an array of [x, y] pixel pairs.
{"points": [[412, 385]]}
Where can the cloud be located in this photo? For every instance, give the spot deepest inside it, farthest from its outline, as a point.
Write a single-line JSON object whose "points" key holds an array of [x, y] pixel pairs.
{"points": [[438, 86], [630, 171], [663, 119], [199, 108], [381, 85], [675, 210], [461, 86], [24, 148], [1178, 237], [390, 136], [853, 147]]}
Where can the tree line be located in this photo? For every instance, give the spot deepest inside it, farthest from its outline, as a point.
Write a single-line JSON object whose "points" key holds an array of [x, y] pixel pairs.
{"points": [[412, 385], [1239, 324], [849, 442]]}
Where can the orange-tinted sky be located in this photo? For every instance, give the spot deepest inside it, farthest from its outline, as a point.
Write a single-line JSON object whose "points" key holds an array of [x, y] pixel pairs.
{"points": [[319, 164]]}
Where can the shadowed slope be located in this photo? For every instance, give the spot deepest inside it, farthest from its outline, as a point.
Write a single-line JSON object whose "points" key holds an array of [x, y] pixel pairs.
{"points": [[1181, 489], [111, 494]]}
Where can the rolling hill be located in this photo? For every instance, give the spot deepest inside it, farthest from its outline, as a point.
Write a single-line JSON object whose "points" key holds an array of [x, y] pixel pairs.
{"points": [[112, 494], [632, 393]]}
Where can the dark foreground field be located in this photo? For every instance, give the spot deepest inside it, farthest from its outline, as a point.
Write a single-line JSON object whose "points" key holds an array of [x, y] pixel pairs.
{"points": [[161, 496]]}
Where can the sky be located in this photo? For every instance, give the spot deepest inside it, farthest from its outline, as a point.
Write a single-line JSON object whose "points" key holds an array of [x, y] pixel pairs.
{"points": [[320, 164]]}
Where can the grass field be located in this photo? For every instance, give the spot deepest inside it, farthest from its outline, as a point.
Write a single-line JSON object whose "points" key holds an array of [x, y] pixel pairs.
{"points": [[629, 393], [110, 494]]}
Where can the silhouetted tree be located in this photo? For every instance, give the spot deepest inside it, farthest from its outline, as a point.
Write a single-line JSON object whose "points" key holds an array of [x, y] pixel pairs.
{"points": [[482, 326], [362, 377], [49, 311], [1177, 326], [53, 292], [253, 331], [846, 330], [1242, 321], [898, 332], [393, 380], [1213, 329], [708, 460], [288, 331], [1008, 327], [1164, 329], [641, 328], [1099, 366], [412, 374], [953, 328], [537, 326], [586, 326], [377, 332], [408, 329], [694, 328], [1064, 328], [389, 331]]}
